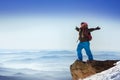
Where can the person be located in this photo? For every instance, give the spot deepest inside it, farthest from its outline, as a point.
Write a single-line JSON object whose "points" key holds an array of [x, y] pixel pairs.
{"points": [[84, 38]]}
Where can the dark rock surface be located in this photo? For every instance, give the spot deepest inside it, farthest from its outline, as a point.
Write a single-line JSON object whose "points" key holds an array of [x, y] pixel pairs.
{"points": [[80, 69]]}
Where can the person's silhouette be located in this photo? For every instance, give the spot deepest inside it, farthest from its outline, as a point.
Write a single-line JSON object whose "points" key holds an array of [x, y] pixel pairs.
{"points": [[84, 38]]}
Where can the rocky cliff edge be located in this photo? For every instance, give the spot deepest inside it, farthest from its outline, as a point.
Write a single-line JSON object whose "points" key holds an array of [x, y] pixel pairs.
{"points": [[81, 69]]}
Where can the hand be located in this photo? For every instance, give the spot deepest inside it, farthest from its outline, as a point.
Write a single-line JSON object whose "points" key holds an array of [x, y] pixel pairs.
{"points": [[76, 28], [98, 28]]}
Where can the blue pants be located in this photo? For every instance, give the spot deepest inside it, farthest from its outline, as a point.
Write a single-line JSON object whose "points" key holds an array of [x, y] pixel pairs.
{"points": [[86, 46]]}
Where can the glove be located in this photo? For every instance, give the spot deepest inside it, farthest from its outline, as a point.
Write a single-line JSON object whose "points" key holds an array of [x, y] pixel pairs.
{"points": [[77, 28], [98, 28]]}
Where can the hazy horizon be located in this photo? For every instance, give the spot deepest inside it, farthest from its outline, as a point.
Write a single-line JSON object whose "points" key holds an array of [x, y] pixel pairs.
{"points": [[43, 65]]}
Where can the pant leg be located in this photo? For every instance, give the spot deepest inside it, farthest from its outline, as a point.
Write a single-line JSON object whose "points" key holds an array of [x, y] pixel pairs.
{"points": [[79, 51], [88, 51]]}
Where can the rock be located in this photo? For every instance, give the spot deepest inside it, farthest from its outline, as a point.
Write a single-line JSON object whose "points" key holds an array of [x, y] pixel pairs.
{"points": [[81, 69]]}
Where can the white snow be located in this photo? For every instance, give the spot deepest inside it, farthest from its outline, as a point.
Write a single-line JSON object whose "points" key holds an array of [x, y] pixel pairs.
{"points": [[110, 74]]}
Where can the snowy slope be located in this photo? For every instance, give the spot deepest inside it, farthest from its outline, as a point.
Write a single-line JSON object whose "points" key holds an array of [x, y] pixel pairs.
{"points": [[110, 74]]}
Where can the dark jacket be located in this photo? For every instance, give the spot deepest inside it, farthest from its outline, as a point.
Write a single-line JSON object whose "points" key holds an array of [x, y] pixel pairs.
{"points": [[82, 36]]}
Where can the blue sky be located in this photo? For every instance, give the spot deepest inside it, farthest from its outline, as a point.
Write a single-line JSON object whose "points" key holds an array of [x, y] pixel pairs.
{"points": [[102, 7], [49, 24]]}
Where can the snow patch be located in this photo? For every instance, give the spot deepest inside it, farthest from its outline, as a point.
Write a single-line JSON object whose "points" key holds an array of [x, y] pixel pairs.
{"points": [[110, 74]]}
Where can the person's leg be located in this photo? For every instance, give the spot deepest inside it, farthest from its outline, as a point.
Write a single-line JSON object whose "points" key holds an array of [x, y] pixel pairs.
{"points": [[79, 51], [88, 51]]}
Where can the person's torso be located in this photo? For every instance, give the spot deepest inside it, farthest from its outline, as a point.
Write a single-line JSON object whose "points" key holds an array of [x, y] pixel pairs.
{"points": [[82, 35]]}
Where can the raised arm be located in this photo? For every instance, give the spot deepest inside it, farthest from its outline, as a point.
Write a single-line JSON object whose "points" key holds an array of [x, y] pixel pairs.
{"points": [[93, 29]]}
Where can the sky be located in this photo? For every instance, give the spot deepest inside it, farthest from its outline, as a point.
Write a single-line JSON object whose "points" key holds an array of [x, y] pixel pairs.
{"points": [[50, 24]]}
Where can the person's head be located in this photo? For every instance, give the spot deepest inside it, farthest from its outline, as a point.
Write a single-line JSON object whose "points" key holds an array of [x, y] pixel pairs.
{"points": [[84, 25]]}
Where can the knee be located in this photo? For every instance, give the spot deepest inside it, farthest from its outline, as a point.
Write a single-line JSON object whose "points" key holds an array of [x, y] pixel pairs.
{"points": [[87, 49], [78, 49]]}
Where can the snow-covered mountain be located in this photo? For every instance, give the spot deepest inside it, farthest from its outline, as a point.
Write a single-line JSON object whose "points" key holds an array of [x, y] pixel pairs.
{"points": [[110, 74]]}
